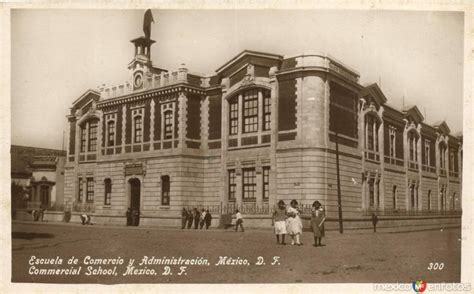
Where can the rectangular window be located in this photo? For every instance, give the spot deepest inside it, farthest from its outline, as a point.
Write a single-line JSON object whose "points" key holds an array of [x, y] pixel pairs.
{"points": [[168, 125], [250, 111], [233, 116], [165, 190], [249, 184], [232, 184], [80, 190], [371, 193], [378, 193], [394, 197], [392, 136], [108, 191], [93, 136], [429, 200], [90, 190], [111, 133], [427, 152], [267, 111], [138, 125], [83, 138], [266, 182]]}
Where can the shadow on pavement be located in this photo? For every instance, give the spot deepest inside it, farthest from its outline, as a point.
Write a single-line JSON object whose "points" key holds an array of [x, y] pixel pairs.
{"points": [[30, 236]]}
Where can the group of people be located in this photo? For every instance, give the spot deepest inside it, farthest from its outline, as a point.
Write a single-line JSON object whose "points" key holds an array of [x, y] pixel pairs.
{"points": [[287, 220], [194, 216]]}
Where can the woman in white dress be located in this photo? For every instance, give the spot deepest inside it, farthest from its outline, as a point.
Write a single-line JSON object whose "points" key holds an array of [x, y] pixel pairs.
{"points": [[294, 226]]}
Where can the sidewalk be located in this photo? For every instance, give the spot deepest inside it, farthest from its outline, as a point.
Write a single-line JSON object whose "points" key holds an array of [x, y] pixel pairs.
{"points": [[380, 230]]}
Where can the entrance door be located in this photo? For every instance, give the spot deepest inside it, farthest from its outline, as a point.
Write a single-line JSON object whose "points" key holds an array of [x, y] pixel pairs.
{"points": [[135, 201], [44, 196]]}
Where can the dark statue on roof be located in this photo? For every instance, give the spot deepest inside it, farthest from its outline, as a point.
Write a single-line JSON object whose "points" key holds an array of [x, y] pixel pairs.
{"points": [[147, 20]]}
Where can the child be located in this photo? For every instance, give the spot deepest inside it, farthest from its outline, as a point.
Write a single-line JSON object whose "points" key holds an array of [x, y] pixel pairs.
{"points": [[279, 222], [294, 226], [318, 217], [238, 220]]}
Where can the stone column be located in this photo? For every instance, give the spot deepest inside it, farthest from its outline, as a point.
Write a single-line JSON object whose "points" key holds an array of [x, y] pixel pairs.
{"points": [[240, 129], [259, 185], [124, 126], [205, 123], [260, 114], [182, 105], [272, 198], [239, 186], [152, 121]]}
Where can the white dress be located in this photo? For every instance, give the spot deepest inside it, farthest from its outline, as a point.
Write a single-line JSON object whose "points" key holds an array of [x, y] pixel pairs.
{"points": [[294, 225]]}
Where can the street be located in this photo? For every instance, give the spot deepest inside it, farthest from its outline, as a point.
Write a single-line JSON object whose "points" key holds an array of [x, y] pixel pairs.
{"points": [[103, 254]]}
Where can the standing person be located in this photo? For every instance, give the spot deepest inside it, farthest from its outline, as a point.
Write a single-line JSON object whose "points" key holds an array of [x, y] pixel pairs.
{"points": [[375, 220], [318, 217], [208, 219], [238, 220], [202, 218], [197, 216], [184, 218], [279, 222], [190, 218], [128, 214], [294, 226]]}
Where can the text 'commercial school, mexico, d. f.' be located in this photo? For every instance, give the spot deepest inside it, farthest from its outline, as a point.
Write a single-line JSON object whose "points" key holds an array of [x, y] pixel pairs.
{"points": [[264, 127]]}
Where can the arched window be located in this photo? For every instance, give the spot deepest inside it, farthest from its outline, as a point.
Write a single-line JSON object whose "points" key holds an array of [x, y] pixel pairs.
{"points": [[111, 133], [168, 125], [371, 133], [107, 191], [413, 149], [165, 190], [138, 128], [442, 155]]}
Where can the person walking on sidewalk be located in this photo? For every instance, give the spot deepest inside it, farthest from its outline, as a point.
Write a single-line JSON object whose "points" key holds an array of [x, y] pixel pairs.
{"points": [[184, 218], [318, 217], [238, 220], [375, 220]]}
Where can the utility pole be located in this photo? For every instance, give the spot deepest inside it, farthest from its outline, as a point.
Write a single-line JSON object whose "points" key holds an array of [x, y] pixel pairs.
{"points": [[339, 205]]}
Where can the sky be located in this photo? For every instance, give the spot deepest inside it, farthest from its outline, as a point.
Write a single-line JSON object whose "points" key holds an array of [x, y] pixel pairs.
{"points": [[416, 57]]}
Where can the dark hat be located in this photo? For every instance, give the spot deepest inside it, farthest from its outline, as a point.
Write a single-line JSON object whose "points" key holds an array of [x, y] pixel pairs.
{"points": [[317, 204]]}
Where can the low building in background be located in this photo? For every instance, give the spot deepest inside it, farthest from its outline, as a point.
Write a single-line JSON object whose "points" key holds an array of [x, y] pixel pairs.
{"points": [[37, 176]]}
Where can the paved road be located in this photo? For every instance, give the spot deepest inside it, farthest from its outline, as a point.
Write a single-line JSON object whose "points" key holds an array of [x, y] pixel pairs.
{"points": [[362, 257]]}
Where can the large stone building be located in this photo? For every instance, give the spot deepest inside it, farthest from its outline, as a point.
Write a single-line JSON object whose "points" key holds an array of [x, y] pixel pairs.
{"points": [[262, 128]]}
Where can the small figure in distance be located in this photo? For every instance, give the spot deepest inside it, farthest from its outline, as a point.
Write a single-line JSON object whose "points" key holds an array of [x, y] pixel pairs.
{"points": [[238, 220], [375, 220], [294, 226], [318, 217], [208, 219], [279, 222]]}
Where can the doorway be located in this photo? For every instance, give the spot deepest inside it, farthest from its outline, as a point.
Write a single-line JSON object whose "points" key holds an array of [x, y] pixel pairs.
{"points": [[135, 201]]}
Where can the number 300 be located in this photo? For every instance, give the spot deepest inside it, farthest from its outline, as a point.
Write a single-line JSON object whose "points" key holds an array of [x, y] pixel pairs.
{"points": [[436, 266]]}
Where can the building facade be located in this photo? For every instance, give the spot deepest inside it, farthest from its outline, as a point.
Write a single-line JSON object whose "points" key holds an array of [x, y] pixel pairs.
{"points": [[264, 127]]}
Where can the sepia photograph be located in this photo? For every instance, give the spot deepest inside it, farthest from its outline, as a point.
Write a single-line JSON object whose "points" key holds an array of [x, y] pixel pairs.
{"points": [[238, 146]]}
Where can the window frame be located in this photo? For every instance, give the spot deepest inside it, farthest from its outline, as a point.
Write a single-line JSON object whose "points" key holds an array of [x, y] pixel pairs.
{"points": [[92, 136], [234, 115], [165, 190], [107, 191], [80, 190], [138, 129], [89, 190], [267, 110], [111, 129], [265, 183], [168, 118], [250, 111], [249, 184], [231, 185]]}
